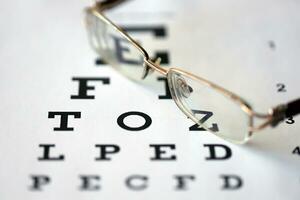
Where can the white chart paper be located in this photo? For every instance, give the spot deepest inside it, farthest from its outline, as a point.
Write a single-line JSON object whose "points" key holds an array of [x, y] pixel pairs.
{"points": [[249, 47]]}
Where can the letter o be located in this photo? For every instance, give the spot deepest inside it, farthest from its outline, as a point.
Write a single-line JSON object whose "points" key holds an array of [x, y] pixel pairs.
{"points": [[146, 117]]}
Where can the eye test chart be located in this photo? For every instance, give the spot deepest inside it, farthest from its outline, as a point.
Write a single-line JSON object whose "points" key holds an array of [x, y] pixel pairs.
{"points": [[71, 127]]}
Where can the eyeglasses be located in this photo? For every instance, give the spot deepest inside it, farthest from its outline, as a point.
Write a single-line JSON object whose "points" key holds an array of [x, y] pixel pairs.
{"points": [[210, 106]]}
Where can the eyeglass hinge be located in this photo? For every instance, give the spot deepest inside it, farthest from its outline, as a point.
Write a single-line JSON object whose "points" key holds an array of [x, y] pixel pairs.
{"points": [[278, 114]]}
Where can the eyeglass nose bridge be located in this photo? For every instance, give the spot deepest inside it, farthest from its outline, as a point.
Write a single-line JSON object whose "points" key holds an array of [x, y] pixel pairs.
{"points": [[154, 66], [149, 70]]}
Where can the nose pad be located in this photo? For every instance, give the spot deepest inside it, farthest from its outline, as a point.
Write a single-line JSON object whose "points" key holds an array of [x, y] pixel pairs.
{"points": [[148, 70], [183, 87]]}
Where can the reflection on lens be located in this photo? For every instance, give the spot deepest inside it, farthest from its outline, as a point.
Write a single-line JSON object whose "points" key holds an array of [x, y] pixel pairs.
{"points": [[209, 107], [114, 48]]}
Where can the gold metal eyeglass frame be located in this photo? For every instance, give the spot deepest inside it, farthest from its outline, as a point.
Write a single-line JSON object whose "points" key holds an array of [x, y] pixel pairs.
{"points": [[273, 117]]}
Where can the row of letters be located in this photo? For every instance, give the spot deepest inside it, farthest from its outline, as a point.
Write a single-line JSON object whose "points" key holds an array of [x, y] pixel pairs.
{"points": [[136, 182]]}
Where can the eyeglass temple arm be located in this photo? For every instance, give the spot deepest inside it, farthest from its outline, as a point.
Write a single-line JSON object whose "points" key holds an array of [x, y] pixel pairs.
{"points": [[280, 112], [108, 4]]}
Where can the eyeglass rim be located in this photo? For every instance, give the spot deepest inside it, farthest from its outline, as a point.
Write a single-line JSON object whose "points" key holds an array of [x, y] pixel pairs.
{"points": [[95, 11], [244, 106]]}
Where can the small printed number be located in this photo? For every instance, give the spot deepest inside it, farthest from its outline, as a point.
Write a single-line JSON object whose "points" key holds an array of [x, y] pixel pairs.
{"points": [[281, 87], [296, 150], [290, 120]]}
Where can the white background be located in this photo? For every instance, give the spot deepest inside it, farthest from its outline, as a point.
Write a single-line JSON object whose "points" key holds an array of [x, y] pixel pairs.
{"points": [[44, 45]]}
